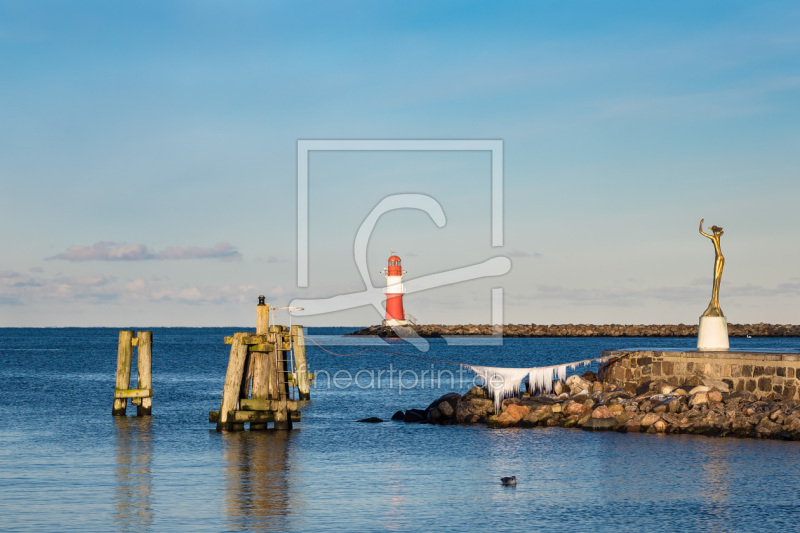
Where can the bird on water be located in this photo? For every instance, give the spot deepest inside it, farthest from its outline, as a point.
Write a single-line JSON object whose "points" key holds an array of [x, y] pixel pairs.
{"points": [[509, 481]]}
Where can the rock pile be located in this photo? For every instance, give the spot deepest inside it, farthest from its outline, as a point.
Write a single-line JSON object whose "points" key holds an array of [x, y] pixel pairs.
{"points": [[656, 407], [587, 330]]}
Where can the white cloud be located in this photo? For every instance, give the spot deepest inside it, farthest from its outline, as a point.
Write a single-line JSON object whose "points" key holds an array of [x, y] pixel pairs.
{"points": [[111, 251]]}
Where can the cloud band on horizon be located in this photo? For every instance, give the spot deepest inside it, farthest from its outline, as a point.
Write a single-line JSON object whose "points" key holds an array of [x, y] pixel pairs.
{"points": [[111, 251]]}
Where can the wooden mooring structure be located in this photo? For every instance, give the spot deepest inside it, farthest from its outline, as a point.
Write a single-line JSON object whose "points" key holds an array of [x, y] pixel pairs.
{"points": [[263, 371], [142, 396]]}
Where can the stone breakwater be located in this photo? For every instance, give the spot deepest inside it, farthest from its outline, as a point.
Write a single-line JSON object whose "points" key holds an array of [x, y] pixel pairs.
{"points": [[756, 372], [582, 330], [698, 407]]}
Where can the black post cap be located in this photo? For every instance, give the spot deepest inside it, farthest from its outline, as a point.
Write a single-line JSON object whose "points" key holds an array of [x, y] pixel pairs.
{"points": [[261, 300]]}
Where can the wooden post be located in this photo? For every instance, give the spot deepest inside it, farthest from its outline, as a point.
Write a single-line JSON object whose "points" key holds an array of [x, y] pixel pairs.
{"points": [[272, 364], [233, 382], [262, 317], [144, 357], [124, 356], [300, 365], [259, 364]]}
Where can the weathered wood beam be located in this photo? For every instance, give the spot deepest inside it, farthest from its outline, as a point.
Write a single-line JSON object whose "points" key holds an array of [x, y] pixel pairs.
{"points": [[144, 361], [133, 393], [233, 381], [260, 404], [124, 357], [249, 339], [300, 376], [266, 416]]}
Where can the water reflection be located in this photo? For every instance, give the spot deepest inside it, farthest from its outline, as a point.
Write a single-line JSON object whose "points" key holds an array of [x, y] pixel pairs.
{"points": [[715, 482], [132, 493], [256, 480], [394, 504], [716, 471]]}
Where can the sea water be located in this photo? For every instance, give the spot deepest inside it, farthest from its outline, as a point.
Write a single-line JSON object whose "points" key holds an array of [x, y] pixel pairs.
{"points": [[66, 464]]}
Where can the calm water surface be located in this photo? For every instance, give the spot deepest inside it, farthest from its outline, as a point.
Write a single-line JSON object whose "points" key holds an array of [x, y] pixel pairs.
{"points": [[67, 465]]}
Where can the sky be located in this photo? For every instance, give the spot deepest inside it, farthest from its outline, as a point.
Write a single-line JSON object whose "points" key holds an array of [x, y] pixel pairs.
{"points": [[149, 159]]}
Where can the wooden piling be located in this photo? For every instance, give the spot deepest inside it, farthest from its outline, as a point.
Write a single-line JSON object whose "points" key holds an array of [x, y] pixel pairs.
{"points": [[262, 317], [259, 364], [300, 365], [124, 356], [233, 383], [144, 355], [259, 380]]}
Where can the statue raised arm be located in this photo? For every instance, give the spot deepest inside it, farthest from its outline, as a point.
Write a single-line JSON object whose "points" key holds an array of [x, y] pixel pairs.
{"points": [[719, 261]]}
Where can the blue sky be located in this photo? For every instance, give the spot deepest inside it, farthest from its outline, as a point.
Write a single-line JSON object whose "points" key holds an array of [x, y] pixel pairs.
{"points": [[149, 149]]}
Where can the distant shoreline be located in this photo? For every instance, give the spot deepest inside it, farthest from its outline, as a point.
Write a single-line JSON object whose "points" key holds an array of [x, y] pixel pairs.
{"points": [[584, 330]]}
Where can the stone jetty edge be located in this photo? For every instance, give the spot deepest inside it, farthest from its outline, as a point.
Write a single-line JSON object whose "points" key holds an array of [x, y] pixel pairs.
{"points": [[697, 407], [584, 330]]}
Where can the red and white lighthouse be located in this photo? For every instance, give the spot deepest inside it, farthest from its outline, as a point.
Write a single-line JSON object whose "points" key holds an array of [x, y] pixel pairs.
{"points": [[395, 315]]}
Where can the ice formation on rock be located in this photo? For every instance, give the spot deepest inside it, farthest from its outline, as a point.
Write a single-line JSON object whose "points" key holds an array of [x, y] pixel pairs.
{"points": [[504, 382], [501, 382]]}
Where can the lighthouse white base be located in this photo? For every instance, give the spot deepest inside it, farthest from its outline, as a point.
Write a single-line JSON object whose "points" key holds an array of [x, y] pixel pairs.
{"points": [[713, 333], [392, 322]]}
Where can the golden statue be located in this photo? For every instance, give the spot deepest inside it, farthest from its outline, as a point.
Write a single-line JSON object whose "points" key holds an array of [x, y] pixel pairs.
{"points": [[713, 307]]}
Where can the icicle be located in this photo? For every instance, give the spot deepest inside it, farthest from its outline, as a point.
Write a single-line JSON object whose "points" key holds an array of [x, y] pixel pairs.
{"points": [[541, 378], [505, 382], [562, 372], [501, 382]]}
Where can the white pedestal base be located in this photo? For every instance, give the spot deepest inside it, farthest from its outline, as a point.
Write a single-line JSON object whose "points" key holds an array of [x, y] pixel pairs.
{"points": [[395, 322], [713, 333]]}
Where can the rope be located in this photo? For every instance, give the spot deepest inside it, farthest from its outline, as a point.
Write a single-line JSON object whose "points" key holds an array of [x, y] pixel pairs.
{"points": [[386, 352], [584, 362]]}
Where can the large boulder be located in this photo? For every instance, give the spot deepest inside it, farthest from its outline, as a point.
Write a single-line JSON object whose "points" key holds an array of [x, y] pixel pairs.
{"points": [[791, 429], [599, 424], [473, 411], [511, 416], [476, 392], [451, 397], [538, 415], [615, 396], [669, 405], [509, 401], [577, 384], [698, 398], [716, 384], [415, 415], [574, 408], [633, 425], [649, 419], [602, 412], [767, 429], [446, 409], [714, 396], [602, 419], [666, 388]]}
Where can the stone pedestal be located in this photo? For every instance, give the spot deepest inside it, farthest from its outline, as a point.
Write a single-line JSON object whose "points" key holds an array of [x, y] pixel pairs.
{"points": [[712, 333]]}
